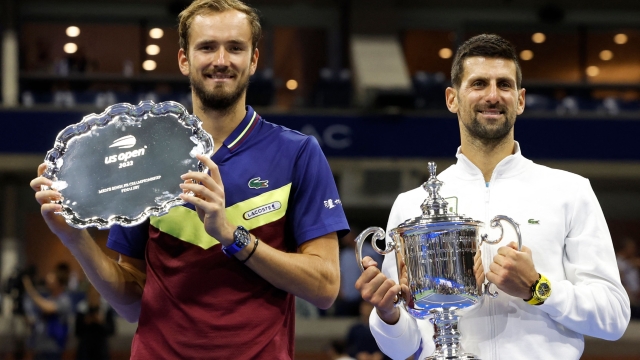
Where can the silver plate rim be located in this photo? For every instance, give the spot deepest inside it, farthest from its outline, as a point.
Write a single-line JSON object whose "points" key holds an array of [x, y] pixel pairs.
{"points": [[136, 113]]}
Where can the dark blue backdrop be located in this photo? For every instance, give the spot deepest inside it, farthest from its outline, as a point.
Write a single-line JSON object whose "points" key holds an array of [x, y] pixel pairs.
{"points": [[383, 136]]}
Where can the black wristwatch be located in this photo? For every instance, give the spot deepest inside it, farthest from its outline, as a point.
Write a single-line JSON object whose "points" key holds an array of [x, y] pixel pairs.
{"points": [[241, 238]]}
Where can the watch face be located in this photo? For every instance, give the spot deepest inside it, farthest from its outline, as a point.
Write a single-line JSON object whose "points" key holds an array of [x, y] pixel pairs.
{"points": [[543, 290], [241, 236]]}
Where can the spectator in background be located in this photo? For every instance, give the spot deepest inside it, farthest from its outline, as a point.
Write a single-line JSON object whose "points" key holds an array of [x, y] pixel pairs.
{"points": [[349, 299], [43, 61], [361, 344], [337, 351], [77, 62], [629, 266], [94, 325], [48, 314], [14, 288]]}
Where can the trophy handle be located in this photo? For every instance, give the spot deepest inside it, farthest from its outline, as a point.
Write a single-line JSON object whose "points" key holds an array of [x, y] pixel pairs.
{"points": [[378, 234], [495, 222]]}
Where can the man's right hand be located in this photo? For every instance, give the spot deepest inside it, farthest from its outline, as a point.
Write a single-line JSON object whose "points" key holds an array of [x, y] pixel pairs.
{"points": [[380, 291], [56, 223]]}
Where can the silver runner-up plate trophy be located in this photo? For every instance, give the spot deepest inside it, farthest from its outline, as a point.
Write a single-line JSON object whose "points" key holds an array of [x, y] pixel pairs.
{"points": [[124, 165], [435, 257]]}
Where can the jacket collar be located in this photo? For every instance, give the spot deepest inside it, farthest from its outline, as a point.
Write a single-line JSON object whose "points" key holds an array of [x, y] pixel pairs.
{"points": [[511, 165]]}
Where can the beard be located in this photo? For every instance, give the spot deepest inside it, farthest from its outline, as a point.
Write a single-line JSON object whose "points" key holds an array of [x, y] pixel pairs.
{"points": [[218, 99], [490, 135]]}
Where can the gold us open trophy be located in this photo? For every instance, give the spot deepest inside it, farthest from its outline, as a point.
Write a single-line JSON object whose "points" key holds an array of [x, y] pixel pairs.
{"points": [[435, 256]]}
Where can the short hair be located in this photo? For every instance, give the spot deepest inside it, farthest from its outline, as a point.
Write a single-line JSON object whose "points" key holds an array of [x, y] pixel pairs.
{"points": [[199, 7], [487, 45]]}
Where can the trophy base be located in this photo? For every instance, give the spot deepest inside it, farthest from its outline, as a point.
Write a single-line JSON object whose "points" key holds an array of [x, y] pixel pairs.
{"points": [[465, 356], [447, 336]]}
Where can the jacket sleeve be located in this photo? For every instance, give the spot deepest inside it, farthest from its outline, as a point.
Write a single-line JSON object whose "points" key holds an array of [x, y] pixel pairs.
{"points": [[591, 301], [402, 339]]}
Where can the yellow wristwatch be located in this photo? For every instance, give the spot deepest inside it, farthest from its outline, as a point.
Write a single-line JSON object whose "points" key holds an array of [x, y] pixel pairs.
{"points": [[540, 291]]}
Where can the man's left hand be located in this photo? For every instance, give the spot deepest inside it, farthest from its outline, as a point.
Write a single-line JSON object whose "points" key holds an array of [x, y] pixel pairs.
{"points": [[512, 271], [208, 198]]}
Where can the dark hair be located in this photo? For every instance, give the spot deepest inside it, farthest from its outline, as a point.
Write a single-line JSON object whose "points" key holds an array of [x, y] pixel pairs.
{"points": [[339, 346], [62, 272], [200, 7], [487, 45]]}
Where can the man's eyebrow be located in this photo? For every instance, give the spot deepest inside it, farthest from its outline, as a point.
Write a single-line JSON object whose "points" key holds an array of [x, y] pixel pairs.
{"points": [[237, 42], [476, 78], [486, 79], [507, 79], [232, 42]]}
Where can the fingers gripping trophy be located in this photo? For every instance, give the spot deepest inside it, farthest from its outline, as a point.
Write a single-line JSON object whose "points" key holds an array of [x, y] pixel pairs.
{"points": [[435, 258]]}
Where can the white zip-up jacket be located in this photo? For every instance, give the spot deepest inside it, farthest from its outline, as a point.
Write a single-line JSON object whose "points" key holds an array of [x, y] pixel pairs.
{"points": [[562, 223]]}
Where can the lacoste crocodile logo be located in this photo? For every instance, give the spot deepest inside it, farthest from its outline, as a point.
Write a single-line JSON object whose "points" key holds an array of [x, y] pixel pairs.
{"points": [[533, 222], [256, 183]]}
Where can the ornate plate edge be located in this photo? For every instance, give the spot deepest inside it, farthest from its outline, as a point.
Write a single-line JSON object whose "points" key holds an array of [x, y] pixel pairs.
{"points": [[136, 112]]}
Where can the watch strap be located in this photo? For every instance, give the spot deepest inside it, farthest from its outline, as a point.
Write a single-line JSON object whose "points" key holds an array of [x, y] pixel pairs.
{"points": [[536, 299]]}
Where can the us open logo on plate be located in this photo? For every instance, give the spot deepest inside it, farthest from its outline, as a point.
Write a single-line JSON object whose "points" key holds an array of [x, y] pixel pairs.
{"points": [[264, 209], [124, 142]]}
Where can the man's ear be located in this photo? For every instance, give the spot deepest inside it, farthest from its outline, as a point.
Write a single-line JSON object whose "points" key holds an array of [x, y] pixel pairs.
{"points": [[521, 100], [451, 95], [254, 61], [183, 62]]}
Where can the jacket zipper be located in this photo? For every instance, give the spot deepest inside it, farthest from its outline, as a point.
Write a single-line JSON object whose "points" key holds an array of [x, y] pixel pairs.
{"points": [[487, 216]]}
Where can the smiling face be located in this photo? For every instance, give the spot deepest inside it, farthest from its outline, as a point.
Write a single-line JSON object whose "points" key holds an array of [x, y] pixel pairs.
{"points": [[487, 101], [220, 60]]}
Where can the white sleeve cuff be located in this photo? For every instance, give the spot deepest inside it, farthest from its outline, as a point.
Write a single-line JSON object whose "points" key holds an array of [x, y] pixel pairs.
{"points": [[390, 331], [556, 304], [400, 340]]}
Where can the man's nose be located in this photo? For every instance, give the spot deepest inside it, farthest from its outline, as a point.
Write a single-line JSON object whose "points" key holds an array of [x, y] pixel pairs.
{"points": [[492, 94], [222, 57]]}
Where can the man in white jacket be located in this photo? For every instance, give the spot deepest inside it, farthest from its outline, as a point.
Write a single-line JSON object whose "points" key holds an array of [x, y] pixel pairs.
{"points": [[563, 284]]}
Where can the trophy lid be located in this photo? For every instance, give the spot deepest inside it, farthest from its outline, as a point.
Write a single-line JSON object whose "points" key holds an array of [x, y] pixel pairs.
{"points": [[435, 204], [435, 209]]}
